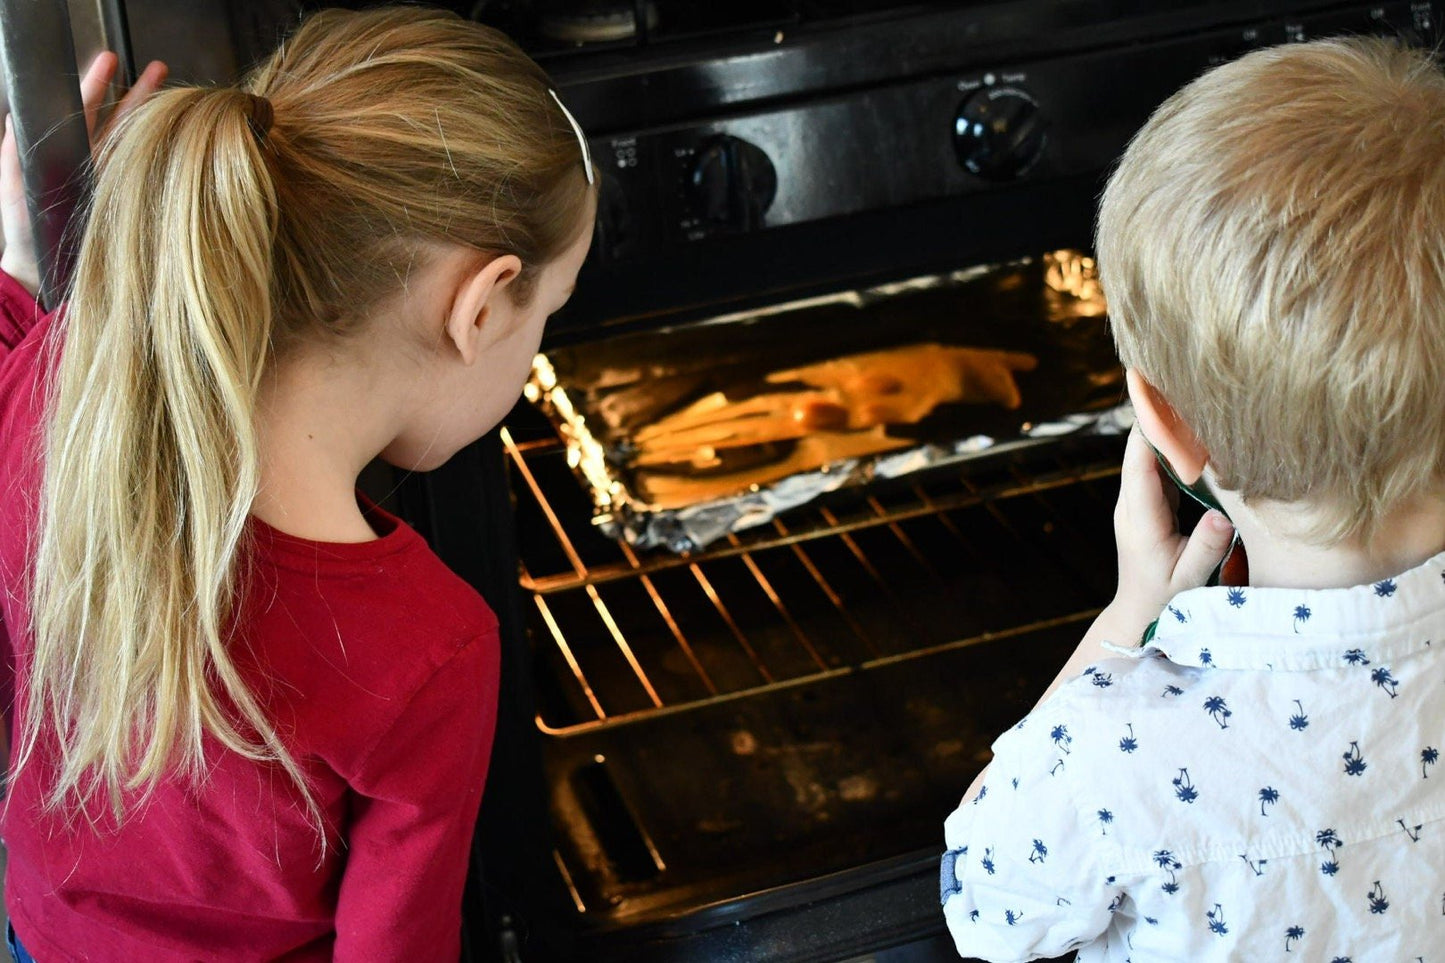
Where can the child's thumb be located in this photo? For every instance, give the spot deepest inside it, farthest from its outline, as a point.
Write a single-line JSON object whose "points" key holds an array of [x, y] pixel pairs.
{"points": [[1203, 551]]}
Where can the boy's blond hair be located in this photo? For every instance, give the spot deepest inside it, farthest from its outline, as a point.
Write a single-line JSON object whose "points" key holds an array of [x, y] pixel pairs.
{"points": [[1273, 249]]}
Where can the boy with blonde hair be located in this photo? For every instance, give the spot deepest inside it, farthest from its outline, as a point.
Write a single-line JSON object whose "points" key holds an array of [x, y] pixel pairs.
{"points": [[1257, 780]]}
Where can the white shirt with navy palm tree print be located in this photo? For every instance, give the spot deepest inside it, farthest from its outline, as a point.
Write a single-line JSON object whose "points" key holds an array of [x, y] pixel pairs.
{"points": [[1258, 782]]}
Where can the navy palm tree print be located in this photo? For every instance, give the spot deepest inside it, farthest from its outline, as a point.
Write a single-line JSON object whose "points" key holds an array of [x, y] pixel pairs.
{"points": [[1428, 757], [1040, 852], [1205, 658], [1299, 721], [1061, 737], [1376, 896], [1354, 762], [1257, 865], [1128, 743], [987, 861], [1184, 787], [1292, 936], [1179, 616], [1171, 690], [1101, 679], [1268, 796], [1385, 589], [1356, 657], [1012, 916], [1216, 920], [1414, 834], [1302, 614], [1105, 818], [1329, 841], [1217, 708], [1381, 677], [1236, 597], [1165, 860]]}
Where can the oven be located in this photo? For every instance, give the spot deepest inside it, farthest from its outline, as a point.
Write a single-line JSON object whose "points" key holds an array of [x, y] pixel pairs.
{"points": [[733, 735]]}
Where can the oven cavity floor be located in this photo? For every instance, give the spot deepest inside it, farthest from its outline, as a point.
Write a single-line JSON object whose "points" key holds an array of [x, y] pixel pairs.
{"points": [[672, 813]]}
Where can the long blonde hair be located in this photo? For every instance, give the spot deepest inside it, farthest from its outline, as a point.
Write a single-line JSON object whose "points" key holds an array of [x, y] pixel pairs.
{"points": [[217, 236]]}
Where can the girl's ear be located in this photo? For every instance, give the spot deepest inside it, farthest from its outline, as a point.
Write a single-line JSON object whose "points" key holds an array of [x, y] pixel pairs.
{"points": [[481, 312], [1163, 428]]}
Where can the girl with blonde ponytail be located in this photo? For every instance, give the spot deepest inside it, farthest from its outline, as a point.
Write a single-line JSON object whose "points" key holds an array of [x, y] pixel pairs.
{"points": [[253, 710]]}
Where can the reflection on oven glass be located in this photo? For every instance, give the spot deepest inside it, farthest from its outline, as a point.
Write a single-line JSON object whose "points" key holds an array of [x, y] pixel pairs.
{"points": [[718, 426]]}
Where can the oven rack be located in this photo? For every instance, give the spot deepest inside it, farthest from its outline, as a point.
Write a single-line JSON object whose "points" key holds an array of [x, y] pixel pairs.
{"points": [[880, 576]]}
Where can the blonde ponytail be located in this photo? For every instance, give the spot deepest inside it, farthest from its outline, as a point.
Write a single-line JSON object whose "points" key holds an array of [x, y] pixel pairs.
{"points": [[217, 238], [151, 461]]}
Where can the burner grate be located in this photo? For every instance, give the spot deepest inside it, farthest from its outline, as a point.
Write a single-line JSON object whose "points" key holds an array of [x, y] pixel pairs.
{"points": [[1006, 551]]}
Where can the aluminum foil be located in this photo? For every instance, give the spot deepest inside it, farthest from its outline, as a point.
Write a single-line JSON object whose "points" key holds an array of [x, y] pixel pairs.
{"points": [[685, 435]]}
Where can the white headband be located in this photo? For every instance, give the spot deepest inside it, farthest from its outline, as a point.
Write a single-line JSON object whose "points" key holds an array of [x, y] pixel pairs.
{"points": [[581, 137]]}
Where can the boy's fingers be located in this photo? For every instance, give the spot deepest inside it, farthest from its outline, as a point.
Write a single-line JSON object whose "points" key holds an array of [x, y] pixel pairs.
{"points": [[94, 84], [1143, 493], [1202, 552], [1138, 457]]}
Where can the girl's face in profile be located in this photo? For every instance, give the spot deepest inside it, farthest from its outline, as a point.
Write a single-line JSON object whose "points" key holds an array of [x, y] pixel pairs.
{"points": [[461, 402]]}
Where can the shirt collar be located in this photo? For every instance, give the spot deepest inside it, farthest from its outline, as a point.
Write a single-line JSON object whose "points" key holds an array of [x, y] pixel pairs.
{"points": [[1303, 629]]}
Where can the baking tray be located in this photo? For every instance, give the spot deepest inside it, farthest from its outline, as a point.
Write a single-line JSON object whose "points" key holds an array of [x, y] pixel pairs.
{"points": [[685, 434]]}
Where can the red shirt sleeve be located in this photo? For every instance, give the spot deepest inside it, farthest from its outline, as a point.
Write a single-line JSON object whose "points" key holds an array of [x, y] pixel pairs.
{"points": [[19, 312], [413, 810]]}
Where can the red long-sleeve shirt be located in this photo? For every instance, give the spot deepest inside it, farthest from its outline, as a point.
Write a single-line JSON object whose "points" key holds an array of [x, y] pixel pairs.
{"points": [[379, 665]]}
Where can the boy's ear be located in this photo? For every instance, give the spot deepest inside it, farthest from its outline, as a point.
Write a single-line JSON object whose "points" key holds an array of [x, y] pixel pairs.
{"points": [[481, 311], [1170, 435]]}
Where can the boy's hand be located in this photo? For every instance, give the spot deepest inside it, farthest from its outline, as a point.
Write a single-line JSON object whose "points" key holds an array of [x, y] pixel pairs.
{"points": [[1156, 562], [19, 259]]}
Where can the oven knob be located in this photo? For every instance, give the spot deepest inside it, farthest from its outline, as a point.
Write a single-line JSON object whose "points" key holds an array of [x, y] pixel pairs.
{"points": [[998, 133], [732, 183]]}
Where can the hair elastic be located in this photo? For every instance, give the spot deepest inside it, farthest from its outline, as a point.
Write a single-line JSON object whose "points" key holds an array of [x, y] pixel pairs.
{"points": [[260, 115], [581, 137]]}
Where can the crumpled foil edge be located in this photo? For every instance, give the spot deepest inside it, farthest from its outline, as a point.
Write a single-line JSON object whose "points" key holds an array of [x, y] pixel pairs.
{"points": [[619, 514]]}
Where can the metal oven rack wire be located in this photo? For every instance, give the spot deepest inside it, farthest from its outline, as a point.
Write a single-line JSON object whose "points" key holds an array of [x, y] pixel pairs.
{"points": [[631, 636]]}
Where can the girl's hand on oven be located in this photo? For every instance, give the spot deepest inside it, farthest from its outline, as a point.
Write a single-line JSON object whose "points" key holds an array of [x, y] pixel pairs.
{"points": [[19, 259], [1156, 561]]}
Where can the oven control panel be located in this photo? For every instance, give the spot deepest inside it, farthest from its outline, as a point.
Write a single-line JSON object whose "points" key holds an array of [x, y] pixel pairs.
{"points": [[981, 129]]}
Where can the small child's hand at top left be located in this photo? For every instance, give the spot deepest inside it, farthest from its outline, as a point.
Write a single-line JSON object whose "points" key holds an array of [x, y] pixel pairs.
{"points": [[19, 259]]}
